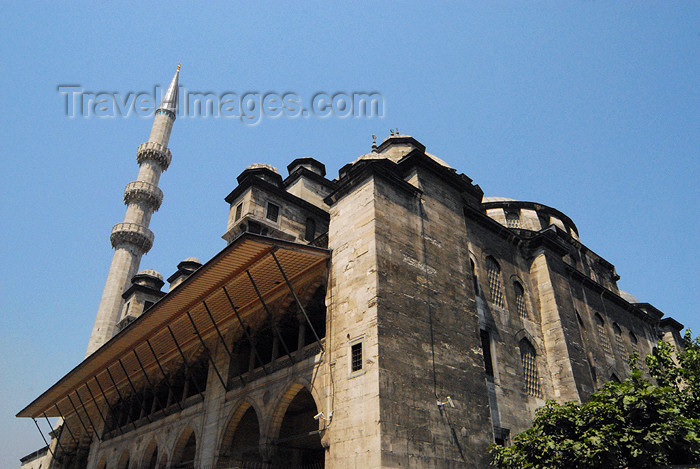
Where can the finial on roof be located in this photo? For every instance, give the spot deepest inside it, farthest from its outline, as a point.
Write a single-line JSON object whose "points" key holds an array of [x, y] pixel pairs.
{"points": [[391, 132], [397, 131], [374, 143], [178, 66]]}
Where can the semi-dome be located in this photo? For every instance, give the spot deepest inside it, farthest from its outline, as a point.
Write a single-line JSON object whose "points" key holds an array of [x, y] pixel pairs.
{"points": [[522, 215], [628, 297]]}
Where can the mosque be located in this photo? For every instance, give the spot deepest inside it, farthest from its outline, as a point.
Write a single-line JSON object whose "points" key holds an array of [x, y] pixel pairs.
{"points": [[390, 317]]}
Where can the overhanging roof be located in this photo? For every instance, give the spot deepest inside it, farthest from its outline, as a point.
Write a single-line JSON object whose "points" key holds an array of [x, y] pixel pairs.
{"points": [[227, 270]]}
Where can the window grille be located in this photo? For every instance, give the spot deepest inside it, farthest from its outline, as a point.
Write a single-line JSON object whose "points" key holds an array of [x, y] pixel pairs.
{"points": [[634, 342], [273, 212], [520, 300], [356, 357], [602, 334], [495, 285], [513, 219], [532, 377], [618, 339]]}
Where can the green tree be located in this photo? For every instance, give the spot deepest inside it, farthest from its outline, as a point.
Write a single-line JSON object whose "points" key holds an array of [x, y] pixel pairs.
{"points": [[638, 423]]}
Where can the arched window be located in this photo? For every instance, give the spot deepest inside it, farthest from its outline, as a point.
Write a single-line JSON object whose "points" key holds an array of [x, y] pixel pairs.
{"points": [[602, 334], [634, 342], [512, 219], [520, 300], [495, 285], [618, 338], [532, 377]]}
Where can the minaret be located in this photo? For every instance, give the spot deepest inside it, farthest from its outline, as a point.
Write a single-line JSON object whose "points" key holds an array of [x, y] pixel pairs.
{"points": [[131, 239]]}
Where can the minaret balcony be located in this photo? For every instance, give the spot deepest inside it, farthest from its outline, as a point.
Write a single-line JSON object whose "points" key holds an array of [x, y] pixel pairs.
{"points": [[142, 191], [132, 233], [156, 152]]}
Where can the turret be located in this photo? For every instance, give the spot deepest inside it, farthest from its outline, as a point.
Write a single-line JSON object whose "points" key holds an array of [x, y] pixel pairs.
{"points": [[131, 239]]}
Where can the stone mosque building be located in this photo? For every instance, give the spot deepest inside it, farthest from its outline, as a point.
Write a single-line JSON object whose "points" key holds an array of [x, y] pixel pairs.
{"points": [[390, 317]]}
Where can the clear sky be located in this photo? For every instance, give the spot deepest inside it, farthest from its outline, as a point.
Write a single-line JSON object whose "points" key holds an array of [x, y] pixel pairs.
{"points": [[592, 107]]}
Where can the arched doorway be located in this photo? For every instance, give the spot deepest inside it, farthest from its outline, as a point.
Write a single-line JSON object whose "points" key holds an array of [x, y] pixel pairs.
{"points": [[241, 441], [299, 441], [185, 450]]}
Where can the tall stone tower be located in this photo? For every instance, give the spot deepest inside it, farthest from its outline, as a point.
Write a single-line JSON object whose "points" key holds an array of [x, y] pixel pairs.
{"points": [[131, 239]]}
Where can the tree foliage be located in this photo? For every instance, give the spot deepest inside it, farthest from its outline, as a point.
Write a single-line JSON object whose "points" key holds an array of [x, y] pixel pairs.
{"points": [[638, 423]]}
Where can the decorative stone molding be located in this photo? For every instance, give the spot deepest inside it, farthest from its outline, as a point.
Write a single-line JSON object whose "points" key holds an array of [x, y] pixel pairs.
{"points": [[132, 233], [145, 192], [156, 152]]}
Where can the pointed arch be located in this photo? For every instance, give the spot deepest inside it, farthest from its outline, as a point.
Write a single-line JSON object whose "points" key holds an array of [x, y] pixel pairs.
{"points": [[123, 462], [283, 403], [149, 458], [240, 440], [295, 430], [185, 451]]}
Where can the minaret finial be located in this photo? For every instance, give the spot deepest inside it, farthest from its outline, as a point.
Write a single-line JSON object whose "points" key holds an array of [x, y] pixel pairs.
{"points": [[178, 66], [374, 143], [169, 102]]}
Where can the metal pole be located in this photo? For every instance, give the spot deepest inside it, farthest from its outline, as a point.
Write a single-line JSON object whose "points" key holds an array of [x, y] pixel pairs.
{"points": [[133, 388], [245, 330], [148, 380], [269, 315], [65, 424], [121, 398], [230, 353], [206, 349], [58, 437], [289, 285], [96, 406], [187, 366], [87, 432], [167, 380], [111, 409], [87, 415], [44, 438]]}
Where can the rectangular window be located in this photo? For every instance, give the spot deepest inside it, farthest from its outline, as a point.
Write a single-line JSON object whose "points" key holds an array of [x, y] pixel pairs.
{"points": [[239, 210], [273, 212], [356, 357], [310, 229], [486, 350]]}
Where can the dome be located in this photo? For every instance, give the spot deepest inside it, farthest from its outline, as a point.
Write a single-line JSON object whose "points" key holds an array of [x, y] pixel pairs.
{"points": [[628, 297], [150, 273]]}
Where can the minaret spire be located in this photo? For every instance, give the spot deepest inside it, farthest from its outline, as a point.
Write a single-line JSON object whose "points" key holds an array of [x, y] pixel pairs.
{"points": [[131, 239]]}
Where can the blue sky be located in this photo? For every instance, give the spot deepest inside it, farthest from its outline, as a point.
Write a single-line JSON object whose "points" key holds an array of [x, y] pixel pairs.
{"points": [[592, 107]]}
